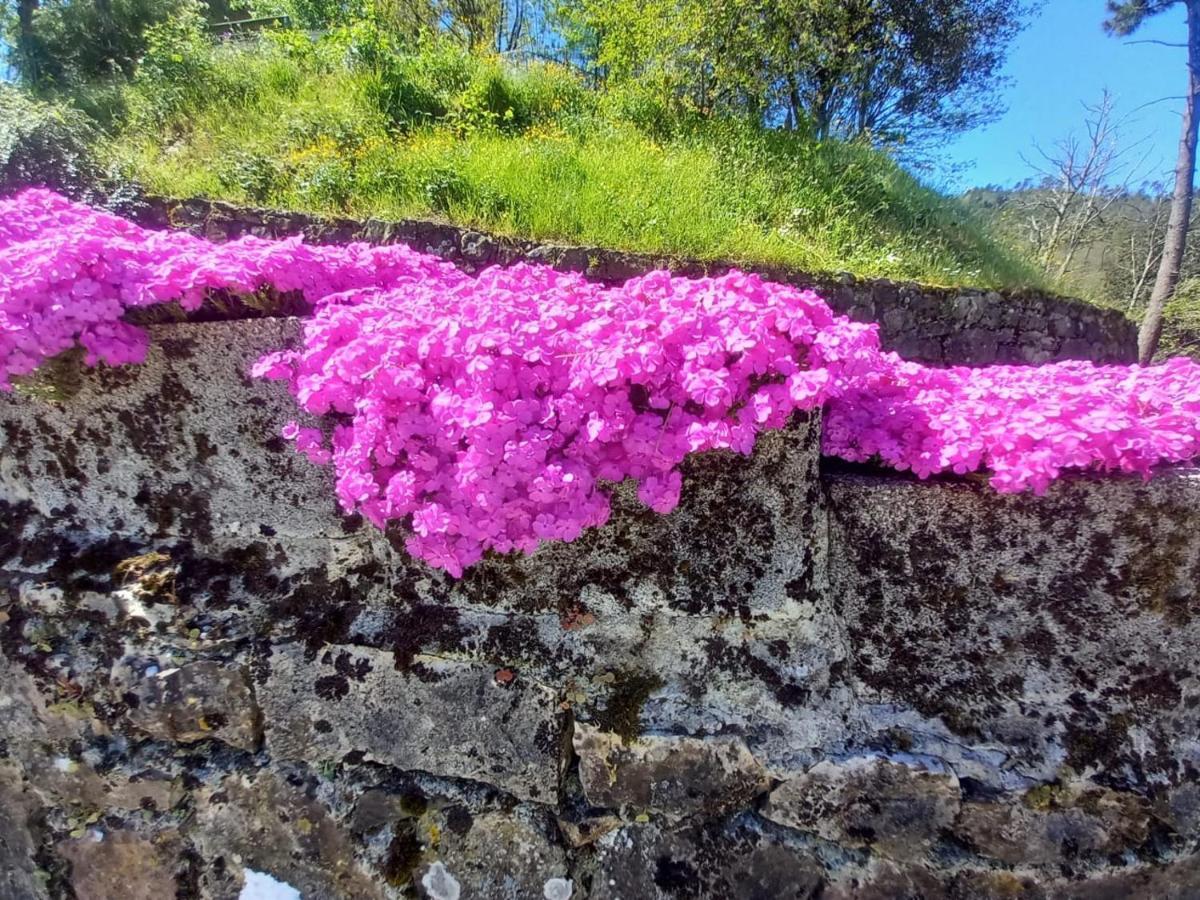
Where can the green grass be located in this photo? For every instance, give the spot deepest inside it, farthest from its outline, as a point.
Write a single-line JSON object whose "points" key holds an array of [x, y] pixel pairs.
{"points": [[531, 153]]}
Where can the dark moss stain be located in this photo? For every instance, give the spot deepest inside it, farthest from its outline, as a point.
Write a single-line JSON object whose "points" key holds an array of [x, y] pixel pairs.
{"points": [[178, 349], [355, 668], [12, 536], [404, 855], [319, 611], [181, 507], [741, 662], [459, 819], [677, 878], [422, 628], [517, 641], [1158, 690], [332, 687], [622, 714], [205, 448], [152, 427], [1097, 743]]}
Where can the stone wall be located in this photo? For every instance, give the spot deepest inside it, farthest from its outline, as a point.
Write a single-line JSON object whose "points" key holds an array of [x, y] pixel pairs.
{"points": [[801, 683], [929, 324]]}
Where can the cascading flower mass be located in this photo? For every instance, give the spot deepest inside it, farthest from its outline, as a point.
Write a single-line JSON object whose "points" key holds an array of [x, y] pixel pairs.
{"points": [[488, 412]]}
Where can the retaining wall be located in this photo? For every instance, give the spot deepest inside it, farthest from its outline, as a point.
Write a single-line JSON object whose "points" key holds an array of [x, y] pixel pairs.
{"points": [[798, 684], [935, 325]]}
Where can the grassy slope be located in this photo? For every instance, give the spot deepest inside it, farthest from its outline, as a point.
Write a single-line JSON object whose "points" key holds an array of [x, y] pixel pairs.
{"points": [[273, 131]]}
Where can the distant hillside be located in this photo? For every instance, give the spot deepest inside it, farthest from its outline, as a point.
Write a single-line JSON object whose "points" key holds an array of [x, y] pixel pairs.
{"points": [[1112, 261]]}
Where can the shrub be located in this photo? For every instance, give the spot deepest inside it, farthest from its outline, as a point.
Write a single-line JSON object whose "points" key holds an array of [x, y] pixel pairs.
{"points": [[83, 40], [491, 412], [254, 175], [45, 144], [1181, 322]]}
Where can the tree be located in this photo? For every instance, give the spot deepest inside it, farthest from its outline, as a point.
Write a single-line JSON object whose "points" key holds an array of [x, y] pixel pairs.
{"points": [[1080, 179], [1126, 17], [898, 72], [1129, 273], [63, 41]]}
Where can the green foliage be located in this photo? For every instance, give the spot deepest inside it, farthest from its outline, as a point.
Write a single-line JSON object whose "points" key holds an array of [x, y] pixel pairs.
{"points": [[72, 41], [1181, 322], [900, 72], [1126, 16], [44, 144], [431, 130]]}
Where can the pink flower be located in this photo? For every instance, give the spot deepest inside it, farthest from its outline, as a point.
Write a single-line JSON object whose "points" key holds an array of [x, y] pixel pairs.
{"points": [[488, 408]]}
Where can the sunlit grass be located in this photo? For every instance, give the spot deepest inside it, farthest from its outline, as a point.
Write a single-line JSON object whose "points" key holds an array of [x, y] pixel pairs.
{"points": [[290, 137]]}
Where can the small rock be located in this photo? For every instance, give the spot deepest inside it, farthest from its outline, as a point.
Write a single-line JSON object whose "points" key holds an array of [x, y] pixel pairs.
{"points": [[197, 702], [439, 884], [267, 825], [1050, 828], [676, 776], [501, 856], [893, 807], [121, 865]]}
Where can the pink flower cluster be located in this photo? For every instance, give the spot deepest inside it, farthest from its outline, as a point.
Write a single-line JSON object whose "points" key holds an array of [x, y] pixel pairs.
{"points": [[490, 412], [486, 411], [1023, 424], [68, 273]]}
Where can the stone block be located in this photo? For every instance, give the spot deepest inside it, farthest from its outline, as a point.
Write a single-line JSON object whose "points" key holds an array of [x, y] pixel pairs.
{"points": [[738, 860], [675, 776], [1053, 630], [448, 718], [500, 856], [197, 702], [185, 444], [895, 808]]}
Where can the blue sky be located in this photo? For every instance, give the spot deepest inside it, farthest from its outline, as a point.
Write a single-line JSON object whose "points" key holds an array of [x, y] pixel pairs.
{"points": [[1064, 59]]}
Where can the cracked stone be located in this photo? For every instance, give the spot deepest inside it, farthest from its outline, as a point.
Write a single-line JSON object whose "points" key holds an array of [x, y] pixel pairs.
{"points": [[676, 776], [895, 808], [446, 718]]}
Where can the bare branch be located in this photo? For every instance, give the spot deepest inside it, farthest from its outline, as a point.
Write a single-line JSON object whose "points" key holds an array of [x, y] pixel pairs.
{"points": [[1152, 41]]}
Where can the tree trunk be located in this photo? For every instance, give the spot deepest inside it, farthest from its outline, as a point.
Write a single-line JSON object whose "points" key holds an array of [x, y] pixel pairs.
{"points": [[1175, 243], [26, 52]]}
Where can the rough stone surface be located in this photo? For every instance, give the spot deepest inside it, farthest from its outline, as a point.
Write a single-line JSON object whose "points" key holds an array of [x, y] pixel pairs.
{"points": [[1055, 631], [261, 822], [508, 857], [938, 325], [895, 808], [1096, 823], [798, 684], [675, 776], [121, 866], [18, 877], [736, 859], [198, 702], [160, 449], [447, 718]]}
